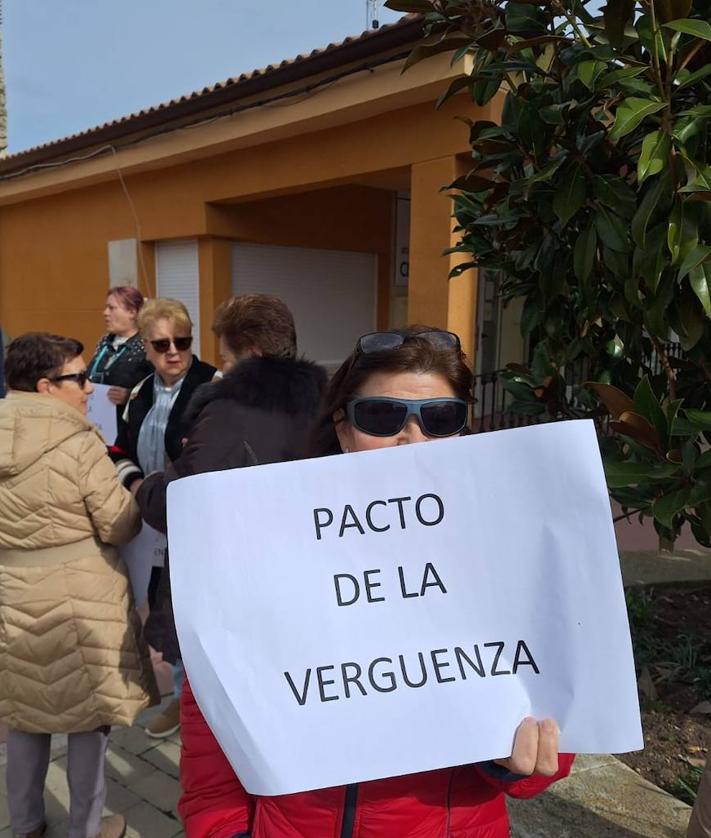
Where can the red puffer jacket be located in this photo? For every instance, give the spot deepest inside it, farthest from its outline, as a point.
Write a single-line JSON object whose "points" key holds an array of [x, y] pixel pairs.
{"points": [[463, 802]]}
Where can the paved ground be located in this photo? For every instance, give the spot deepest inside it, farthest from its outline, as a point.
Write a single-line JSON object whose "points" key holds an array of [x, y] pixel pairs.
{"points": [[142, 784], [602, 799]]}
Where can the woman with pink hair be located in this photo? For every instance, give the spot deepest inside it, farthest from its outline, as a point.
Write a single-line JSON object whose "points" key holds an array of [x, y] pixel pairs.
{"points": [[120, 356]]}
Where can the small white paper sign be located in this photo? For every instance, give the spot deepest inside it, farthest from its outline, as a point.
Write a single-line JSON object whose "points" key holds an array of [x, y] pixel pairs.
{"points": [[102, 412], [141, 555], [377, 614]]}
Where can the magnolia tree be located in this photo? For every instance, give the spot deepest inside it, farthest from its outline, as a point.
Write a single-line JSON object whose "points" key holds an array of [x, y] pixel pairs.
{"points": [[591, 199]]}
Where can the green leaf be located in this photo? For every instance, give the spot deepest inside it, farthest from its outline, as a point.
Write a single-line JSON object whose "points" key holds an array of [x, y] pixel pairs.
{"points": [[684, 428], [672, 412], [525, 19], [584, 253], [458, 84], [612, 230], [675, 231], [621, 474], [697, 28], [569, 196], [612, 191], [699, 280], [669, 505], [654, 155], [694, 259], [554, 114], [527, 408], [618, 264], [541, 364], [671, 9], [617, 14], [646, 403], [686, 320], [649, 261], [422, 51], [531, 315], [702, 111], [685, 78], [547, 171], [615, 76], [700, 419], [589, 71], [615, 348], [630, 114]]}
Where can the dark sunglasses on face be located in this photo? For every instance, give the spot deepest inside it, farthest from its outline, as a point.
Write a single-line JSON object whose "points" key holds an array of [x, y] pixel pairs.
{"points": [[384, 416], [162, 345], [387, 341], [80, 377]]}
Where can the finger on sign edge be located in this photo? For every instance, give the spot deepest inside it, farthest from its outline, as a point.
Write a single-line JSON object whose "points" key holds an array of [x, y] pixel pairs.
{"points": [[547, 759]]}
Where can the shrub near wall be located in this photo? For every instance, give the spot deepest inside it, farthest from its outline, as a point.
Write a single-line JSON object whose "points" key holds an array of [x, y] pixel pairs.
{"points": [[592, 201]]}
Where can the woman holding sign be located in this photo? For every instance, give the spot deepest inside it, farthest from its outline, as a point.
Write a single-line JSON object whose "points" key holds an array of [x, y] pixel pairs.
{"points": [[397, 388], [120, 356]]}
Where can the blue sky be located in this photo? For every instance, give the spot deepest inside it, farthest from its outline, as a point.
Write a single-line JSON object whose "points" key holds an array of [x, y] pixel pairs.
{"points": [[73, 64]]}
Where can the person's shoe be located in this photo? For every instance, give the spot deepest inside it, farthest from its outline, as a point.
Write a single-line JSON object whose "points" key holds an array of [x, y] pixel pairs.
{"points": [[114, 826], [36, 833], [166, 723]]}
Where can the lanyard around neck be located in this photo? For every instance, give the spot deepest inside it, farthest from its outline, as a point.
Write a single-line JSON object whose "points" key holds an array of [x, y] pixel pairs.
{"points": [[110, 362]]}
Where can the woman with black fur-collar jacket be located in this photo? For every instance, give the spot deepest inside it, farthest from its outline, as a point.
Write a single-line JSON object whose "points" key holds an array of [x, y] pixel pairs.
{"points": [[262, 411]]}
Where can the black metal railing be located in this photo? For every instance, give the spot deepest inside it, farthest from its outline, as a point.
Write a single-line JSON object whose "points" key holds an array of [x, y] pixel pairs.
{"points": [[492, 402], [492, 405]]}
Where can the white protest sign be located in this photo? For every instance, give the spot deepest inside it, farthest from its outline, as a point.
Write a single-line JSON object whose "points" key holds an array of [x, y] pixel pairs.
{"points": [[376, 614], [102, 412], [141, 555]]}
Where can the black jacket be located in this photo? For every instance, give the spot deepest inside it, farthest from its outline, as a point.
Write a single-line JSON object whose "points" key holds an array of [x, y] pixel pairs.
{"points": [[262, 411], [2, 366], [123, 367], [124, 450]]}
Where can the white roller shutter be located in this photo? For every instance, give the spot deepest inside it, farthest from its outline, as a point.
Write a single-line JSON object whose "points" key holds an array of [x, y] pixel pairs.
{"points": [[178, 276], [331, 293]]}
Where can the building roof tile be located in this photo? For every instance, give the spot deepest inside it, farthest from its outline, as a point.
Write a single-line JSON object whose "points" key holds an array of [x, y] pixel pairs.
{"points": [[192, 106]]}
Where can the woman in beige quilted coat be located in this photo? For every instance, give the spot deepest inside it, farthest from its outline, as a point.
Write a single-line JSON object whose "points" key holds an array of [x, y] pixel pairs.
{"points": [[72, 659]]}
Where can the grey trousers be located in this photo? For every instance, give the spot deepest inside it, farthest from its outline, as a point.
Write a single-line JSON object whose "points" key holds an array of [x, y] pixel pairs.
{"points": [[27, 764]]}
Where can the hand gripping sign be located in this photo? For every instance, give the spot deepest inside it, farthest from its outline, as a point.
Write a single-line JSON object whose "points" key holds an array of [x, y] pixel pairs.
{"points": [[365, 616]]}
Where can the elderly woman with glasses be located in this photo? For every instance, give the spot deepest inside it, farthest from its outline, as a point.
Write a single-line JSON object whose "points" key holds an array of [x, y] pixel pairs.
{"points": [[150, 436], [72, 659], [397, 388]]}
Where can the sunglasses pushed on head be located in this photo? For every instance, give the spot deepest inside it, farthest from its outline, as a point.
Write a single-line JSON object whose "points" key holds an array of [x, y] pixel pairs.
{"points": [[386, 416]]}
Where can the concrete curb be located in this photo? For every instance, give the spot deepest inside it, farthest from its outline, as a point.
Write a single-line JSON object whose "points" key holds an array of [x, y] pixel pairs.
{"points": [[602, 798]]}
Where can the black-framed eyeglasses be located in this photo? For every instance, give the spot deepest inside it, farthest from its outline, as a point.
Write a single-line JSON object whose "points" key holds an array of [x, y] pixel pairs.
{"points": [[387, 341], [80, 377], [162, 345], [385, 416]]}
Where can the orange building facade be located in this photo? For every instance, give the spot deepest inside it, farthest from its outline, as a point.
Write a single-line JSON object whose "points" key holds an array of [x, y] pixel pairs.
{"points": [[332, 164]]}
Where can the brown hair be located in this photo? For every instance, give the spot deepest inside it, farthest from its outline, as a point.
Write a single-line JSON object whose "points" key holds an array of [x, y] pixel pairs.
{"points": [[414, 355], [36, 355], [130, 298], [256, 320], [167, 309]]}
